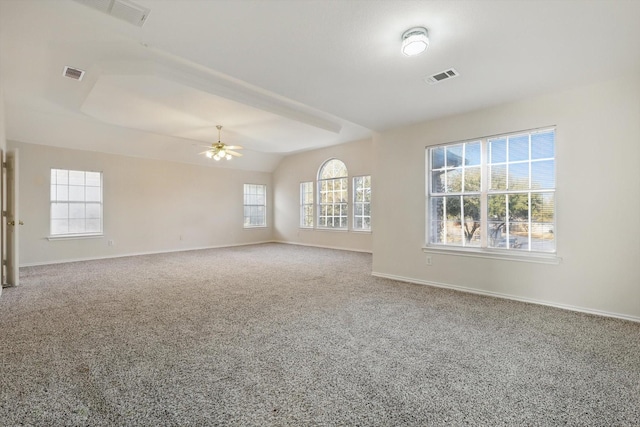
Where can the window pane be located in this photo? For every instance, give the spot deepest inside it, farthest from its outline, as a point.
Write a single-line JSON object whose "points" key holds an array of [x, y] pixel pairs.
{"points": [[543, 217], [519, 176], [59, 210], [518, 148], [76, 193], [454, 156], [76, 178], [77, 225], [498, 150], [62, 176], [93, 210], [93, 226], [62, 193], [93, 179], [498, 178], [472, 179], [437, 181], [543, 174], [472, 154], [542, 145], [93, 194], [437, 158], [76, 210], [454, 181], [59, 226]]}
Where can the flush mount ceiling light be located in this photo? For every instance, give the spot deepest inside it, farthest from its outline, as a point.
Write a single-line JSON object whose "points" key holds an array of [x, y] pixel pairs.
{"points": [[415, 41], [220, 150]]}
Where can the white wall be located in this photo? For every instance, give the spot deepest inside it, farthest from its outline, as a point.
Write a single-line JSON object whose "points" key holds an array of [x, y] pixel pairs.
{"points": [[149, 205], [598, 203], [302, 167]]}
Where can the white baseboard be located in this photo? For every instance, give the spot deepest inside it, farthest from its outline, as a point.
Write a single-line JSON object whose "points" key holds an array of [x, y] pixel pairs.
{"points": [[34, 264], [507, 296], [322, 246]]}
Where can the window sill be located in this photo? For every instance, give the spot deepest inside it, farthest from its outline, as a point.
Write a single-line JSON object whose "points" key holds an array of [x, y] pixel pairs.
{"points": [[534, 257], [75, 236], [361, 231]]}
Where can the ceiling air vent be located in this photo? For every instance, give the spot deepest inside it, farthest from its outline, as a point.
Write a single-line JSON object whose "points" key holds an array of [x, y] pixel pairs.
{"points": [[121, 9], [73, 73], [441, 76]]}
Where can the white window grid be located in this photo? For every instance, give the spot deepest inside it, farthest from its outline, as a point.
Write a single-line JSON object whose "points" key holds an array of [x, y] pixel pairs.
{"points": [[333, 195], [306, 204], [76, 203], [255, 205], [506, 231], [362, 203]]}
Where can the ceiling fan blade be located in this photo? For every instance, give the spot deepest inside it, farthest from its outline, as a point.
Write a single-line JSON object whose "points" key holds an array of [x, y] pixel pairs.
{"points": [[233, 147], [233, 153], [205, 151]]}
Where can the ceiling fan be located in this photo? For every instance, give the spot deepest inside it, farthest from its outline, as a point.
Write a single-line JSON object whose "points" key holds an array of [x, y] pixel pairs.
{"points": [[220, 150]]}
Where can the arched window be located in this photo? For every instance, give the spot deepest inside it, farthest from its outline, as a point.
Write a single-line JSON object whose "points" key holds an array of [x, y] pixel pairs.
{"points": [[333, 197]]}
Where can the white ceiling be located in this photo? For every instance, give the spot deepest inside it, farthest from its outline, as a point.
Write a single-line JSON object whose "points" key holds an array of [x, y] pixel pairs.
{"points": [[287, 76]]}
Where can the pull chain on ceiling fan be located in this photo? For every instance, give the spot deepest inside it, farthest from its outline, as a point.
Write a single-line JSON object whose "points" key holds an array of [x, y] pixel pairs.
{"points": [[220, 150]]}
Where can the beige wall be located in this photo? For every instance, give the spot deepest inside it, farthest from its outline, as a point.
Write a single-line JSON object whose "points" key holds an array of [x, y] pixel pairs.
{"points": [[3, 147], [598, 184], [302, 167], [149, 205]]}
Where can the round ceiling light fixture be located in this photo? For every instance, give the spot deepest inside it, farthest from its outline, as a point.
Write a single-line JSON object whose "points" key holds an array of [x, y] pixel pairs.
{"points": [[415, 41]]}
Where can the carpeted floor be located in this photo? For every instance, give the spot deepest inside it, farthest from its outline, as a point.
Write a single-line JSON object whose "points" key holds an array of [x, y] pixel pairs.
{"points": [[291, 336]]}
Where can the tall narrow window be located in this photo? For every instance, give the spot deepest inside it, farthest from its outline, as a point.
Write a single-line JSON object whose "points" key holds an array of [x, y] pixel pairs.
{"points": [[333, 191], [306, 204], [76, 203], [255, 205], [362, 203], [496, 192]]}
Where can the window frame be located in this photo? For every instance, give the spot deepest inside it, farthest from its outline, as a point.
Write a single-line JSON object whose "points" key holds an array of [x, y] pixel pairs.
{"points": [[485, 249], [56, 199], [307, 202], [343, 205], [356, 203], [252, 205]]}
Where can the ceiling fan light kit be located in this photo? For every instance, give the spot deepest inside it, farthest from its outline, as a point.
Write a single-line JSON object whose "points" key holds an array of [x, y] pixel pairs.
{"points": [[220, 150]]}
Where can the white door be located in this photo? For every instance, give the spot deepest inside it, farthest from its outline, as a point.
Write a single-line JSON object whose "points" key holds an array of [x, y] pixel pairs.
{"points": [[13, 219]]}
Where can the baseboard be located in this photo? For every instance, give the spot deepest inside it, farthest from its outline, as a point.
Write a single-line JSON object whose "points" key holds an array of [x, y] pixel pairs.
{"points": [[507, 296], [322, 246], [34, 264]]}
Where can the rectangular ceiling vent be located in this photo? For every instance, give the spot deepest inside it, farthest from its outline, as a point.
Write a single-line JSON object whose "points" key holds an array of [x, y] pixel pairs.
{"points": [[442, 76], [121, 9], [73, 73]]}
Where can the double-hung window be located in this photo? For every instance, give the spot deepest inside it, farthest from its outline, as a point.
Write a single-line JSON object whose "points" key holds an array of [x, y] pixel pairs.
{"points": [[306, 204], [255, 205], [362, 203], [76, 203], [495, 193]]}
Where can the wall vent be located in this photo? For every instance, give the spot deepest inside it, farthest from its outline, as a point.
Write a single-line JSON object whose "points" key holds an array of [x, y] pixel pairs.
{"points": [[73, 73], [121, 9], [441, 76]]}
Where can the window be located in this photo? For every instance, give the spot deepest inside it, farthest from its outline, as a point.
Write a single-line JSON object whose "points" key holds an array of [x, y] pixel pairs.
{"points": [[306, 204], [362, 203], [76, 203], [496, 192], [333, 195], [255, 205]]}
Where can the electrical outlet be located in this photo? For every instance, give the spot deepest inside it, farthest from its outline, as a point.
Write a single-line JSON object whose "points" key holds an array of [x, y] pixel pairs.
{"points": [[429, 262], [110, 242]]}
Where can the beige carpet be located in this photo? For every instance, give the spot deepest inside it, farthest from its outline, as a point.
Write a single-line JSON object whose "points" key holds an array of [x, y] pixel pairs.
{"points": [[285, 335]]}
